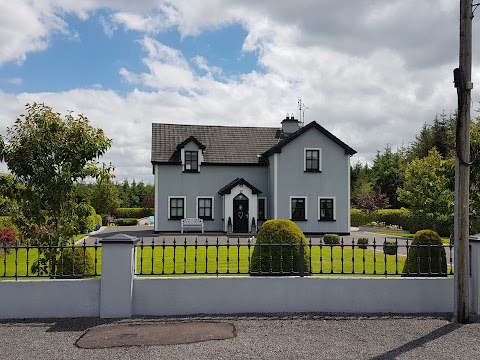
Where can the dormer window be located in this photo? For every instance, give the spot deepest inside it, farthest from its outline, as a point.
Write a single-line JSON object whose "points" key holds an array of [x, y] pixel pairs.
{"points": [[191, 161]]}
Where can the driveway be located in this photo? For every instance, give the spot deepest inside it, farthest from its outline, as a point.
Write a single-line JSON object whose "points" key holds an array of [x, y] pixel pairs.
{"points": [[281, 336]]}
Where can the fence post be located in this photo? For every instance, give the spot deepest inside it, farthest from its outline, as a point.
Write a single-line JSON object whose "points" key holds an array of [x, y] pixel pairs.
{"points": [[118, 271], [302, 260], [475, 272]]}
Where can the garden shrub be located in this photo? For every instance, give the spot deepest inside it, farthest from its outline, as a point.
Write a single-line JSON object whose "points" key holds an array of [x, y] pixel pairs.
{"points": [[330, 239], [359, 217], [7, 237], [5, 221], [390, 247], [423, 258], [126, 222], [133, 213], [392, 216], [76, 263], [362, 243], [270, 256]]}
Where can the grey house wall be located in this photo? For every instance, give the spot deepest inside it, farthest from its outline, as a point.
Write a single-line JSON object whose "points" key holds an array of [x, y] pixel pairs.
{"points": [[171, 181], [332, 181]]}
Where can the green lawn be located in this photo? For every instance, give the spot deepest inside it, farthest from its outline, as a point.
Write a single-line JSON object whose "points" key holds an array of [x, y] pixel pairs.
{"points": [[231, 260], [445, 240], [234, 260]]}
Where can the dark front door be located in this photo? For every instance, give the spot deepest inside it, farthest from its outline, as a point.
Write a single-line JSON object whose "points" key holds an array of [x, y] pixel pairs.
{"points": [[240, 214]]}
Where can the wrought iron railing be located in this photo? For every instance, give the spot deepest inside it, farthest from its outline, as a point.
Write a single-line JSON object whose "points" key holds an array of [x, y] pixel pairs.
{"points": [[50, 261], [228, 256], [240, 256]]}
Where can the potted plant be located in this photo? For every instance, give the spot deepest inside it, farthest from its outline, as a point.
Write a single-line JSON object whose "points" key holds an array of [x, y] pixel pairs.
{"points": [[229, 225]]}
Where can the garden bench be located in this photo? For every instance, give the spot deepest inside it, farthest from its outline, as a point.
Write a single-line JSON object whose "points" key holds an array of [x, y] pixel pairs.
{"points": [[192, 223]]}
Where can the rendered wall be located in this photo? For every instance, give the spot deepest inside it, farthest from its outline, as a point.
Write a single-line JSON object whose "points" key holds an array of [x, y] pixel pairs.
{"points": [[171, 181], [332, 181], [50, 298], [228, 295]]}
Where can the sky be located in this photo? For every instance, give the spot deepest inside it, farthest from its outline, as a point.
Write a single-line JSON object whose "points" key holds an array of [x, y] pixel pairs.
{"points": [[372, 72]]}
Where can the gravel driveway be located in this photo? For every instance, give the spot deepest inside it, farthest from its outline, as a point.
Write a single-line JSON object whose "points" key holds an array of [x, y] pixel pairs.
{"points": [[309, 336]]}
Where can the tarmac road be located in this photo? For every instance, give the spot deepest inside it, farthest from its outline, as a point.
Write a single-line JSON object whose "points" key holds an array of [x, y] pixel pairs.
{"points": [[307, 336]]}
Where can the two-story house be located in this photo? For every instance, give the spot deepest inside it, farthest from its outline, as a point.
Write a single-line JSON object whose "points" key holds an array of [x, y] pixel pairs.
{"points": [[218, 173]]}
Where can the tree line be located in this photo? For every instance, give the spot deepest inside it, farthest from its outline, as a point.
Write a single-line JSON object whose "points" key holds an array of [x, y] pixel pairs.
{"points": [[420, 177]]}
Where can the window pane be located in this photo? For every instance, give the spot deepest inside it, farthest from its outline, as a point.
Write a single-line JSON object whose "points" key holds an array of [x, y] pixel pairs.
{"points": [[298, 208], [326, 209]]}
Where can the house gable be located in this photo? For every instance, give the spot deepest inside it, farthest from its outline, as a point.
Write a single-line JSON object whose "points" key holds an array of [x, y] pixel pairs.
{"points": [[278, 147]]}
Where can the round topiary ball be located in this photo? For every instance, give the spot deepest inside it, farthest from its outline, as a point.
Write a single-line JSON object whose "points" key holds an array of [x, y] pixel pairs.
{"points": [[78, 265], [331, 239], [426, 255], [277, 250]]}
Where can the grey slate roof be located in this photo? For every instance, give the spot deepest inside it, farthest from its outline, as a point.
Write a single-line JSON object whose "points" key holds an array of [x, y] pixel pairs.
{"points": [[226, 144], [223, 144]]}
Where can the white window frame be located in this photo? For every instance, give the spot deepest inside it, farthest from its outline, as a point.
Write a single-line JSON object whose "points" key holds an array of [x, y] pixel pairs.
{"points": [[306, 207], [213, 205], [305, 159], [199, 159], [184, 205], [266, 212], [334, 206]]}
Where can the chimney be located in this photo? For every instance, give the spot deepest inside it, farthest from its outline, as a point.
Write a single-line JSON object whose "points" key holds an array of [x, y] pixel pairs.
{"points": [[289, 126]]}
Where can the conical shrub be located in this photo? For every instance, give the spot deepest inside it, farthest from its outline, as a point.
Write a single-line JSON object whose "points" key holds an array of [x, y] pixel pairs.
{"points": [[426, 255], [277, 249]]}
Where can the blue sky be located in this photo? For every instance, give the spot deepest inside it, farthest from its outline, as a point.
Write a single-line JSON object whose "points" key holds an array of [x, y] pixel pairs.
{"points": [[371, 72], [90, 58]]}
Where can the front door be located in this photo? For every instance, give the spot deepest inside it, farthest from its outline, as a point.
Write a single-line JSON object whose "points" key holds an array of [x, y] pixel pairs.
{"points": [[240, 214]]}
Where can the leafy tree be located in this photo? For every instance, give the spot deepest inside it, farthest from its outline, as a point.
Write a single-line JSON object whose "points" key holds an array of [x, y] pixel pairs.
{"points": [[388, 172], [104, 195], [440, 135], [427, 188], [360, 179], [371, 201], [47, 155]]}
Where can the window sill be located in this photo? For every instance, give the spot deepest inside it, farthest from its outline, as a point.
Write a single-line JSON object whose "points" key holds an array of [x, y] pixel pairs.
{"points": [[312, 171], [299, 219], [175, 218], [191, 171], [327, 220]]}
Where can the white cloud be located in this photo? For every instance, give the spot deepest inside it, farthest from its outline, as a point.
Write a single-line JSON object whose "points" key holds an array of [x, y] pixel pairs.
{"points": [[372, 72]]}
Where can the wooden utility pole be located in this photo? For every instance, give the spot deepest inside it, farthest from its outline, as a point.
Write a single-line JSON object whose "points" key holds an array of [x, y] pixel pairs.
{"points": [[462, 166]]}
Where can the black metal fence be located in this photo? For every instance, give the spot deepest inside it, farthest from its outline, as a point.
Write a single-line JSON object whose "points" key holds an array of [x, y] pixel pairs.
{"points": [[228, 256], [240, 256], [50, 261]]}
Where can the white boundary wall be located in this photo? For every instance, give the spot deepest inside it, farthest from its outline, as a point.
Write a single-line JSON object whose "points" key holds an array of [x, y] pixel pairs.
{"points": [[227, 295], [49, 298], [120, 294]]}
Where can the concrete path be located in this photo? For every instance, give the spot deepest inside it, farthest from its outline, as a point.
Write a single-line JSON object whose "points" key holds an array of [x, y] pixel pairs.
{"points": [[309, 336]]}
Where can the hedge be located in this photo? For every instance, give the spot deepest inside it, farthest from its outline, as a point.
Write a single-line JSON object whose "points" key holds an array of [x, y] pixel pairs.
{"points": [[126, 221], [133, 213], [408, 220]]}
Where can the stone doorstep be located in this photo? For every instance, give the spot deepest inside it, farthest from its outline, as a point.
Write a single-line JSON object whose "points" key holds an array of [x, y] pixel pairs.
{"points": [[107, 336]]}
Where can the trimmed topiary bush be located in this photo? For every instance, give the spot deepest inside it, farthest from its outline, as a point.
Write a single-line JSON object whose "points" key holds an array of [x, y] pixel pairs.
{"points": [[136, 213], [426, 255], [76, 263], [390, 247], [277, 252], [126, 222], [362, 243], [330, 239]]}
